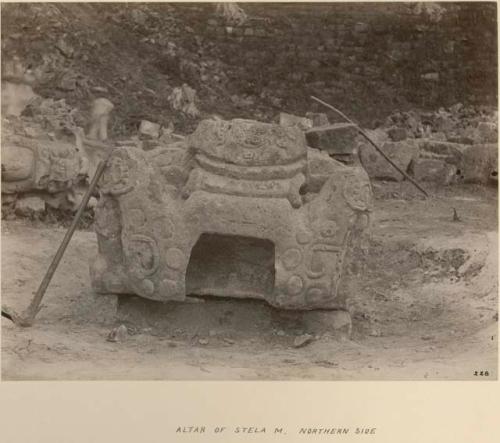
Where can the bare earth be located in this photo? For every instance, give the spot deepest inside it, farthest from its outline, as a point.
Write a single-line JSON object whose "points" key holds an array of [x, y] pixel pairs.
{"points": [[424, 306]]}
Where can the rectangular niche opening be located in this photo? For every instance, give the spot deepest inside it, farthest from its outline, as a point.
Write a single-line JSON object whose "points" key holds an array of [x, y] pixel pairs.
{"points": [[231, 266]]}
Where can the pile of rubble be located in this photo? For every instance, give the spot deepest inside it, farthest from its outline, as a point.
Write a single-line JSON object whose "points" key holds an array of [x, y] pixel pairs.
{"points": [[453, 145]]}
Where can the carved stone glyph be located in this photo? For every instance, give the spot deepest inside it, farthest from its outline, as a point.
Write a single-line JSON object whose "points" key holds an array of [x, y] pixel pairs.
{"points": [[239, 209]]}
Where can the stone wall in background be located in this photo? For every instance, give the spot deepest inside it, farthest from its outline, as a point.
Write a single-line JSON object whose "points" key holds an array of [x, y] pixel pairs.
{"points": [[366, 58]]}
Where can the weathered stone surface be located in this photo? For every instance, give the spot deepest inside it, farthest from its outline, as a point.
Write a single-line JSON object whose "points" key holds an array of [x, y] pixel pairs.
{"points": [[101, 110], [433, 170], [185, 99], [26, 206], [397, 134], [401, 153], [232, 215], [15, 97], [339, 138], [450, 152], [318, 119], [479, 162], [293, 121], [29, 164]]}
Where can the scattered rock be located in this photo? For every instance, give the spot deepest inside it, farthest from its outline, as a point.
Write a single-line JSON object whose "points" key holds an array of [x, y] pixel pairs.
{"points": [[149, 129], [229, 341], [65, 48], [101, 109], [302, 340], [118, 334], [431, 76], [203, 341]]}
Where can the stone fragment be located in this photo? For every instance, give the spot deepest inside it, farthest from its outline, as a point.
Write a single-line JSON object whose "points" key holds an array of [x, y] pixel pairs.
{"points": [[456, 108], [101, 109], [401, 153], [302, 340], [15, 98], [433, 170], [149, 129], [17, 91], [203, 341], [290, 121], [318, 118], [65, 48], [339, 138], [431, 76], [17, 163], [479, 163], [184, 99], [28, 206], [118, 334], [397, 134]]}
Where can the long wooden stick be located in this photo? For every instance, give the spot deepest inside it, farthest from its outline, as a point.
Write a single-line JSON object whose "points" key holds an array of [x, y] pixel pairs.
{"points": [[27, 318], [365, 135]]}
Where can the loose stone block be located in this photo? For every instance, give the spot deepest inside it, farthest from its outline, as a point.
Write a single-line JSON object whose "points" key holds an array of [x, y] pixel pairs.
{"points": [[318, 118], [291, 121], [339, 138], [149, 129], [451, 152], [433, 170], [479, 162], [401, 153]]}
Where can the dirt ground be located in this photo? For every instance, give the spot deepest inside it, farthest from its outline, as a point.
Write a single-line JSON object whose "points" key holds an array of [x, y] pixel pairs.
{"points": [[424, 306]]}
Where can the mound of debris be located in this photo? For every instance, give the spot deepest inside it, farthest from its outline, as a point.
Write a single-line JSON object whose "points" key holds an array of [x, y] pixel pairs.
{"points": [[453, 145], [449, 146]]}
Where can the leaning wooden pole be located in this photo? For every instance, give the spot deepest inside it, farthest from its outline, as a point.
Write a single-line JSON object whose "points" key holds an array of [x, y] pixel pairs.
{"points": [[27, 317], [365, 135]]}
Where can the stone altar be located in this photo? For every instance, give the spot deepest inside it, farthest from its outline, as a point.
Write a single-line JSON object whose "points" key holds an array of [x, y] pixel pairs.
{"points": [[239, 209]]}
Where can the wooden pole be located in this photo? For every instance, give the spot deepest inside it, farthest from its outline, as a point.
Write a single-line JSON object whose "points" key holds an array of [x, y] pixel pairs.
{"points": [[27, 318], [365, 135]]}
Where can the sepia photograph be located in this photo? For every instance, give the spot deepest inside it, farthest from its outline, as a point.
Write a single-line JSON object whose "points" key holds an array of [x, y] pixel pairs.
{"points": [[249, 191]]}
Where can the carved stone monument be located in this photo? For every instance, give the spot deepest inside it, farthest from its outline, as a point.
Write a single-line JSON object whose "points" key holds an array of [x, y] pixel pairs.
{"points": [[238, 209]]}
